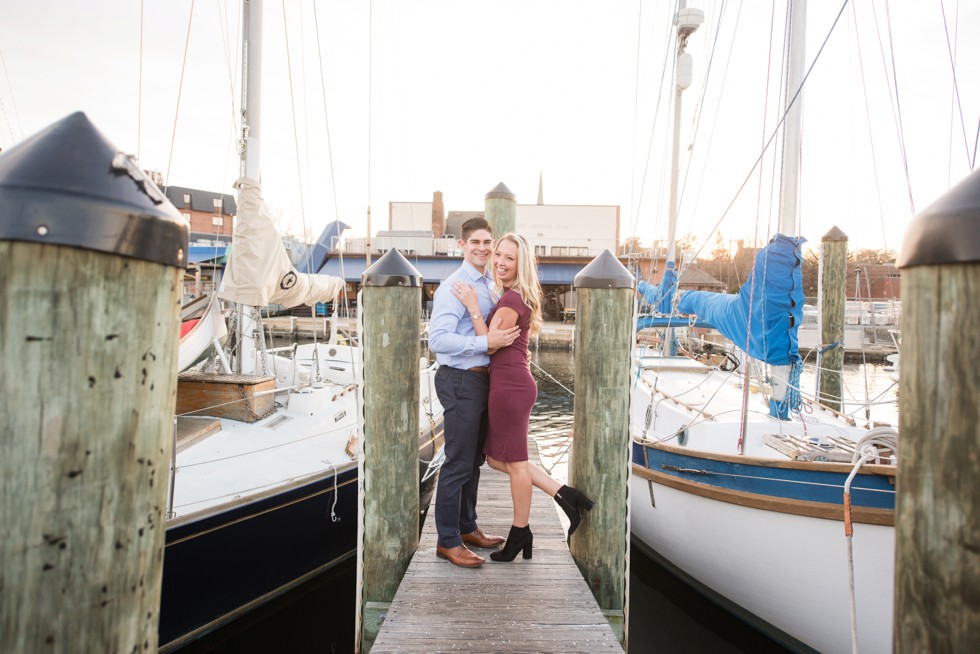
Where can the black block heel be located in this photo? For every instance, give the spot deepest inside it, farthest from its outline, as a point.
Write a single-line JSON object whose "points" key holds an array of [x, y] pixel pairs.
{"points": [[520, 539]]}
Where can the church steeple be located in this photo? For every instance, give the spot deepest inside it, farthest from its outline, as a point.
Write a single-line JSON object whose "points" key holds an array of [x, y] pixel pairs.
{"points": [[541, 187]]}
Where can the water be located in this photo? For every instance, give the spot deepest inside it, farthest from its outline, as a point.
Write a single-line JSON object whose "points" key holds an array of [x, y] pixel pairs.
{"points": [[666, 615]]}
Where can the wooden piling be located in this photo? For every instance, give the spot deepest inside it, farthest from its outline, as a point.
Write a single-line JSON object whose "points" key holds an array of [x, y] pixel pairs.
{"points": [[391, 316], [833, 299], [601, 445], [937, 563], [90, 290], [501, 210]]}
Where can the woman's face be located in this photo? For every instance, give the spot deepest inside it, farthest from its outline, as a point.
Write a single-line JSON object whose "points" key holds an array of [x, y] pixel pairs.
{"points": [[505, 262]]}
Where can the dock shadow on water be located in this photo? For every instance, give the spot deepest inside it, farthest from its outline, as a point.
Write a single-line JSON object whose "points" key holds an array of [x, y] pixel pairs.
{"points": [[666, 615]]}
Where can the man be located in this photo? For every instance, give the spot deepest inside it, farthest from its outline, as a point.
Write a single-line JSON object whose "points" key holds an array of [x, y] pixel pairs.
{"points": [[463, 384]]}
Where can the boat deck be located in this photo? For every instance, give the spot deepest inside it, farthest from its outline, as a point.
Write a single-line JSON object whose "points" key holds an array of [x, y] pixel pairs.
{"points": [[540, 605]]}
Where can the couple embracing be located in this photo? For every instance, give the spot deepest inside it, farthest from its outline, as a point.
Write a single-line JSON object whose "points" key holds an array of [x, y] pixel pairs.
{"points": [[481, 322]]}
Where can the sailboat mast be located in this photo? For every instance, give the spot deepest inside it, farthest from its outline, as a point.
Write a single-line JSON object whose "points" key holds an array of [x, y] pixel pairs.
{"points": [[790, 185], [250, 143], [687, 22], [250, 150]]}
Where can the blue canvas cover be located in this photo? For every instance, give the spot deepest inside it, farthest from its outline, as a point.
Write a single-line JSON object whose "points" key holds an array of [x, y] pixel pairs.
{"points": [[661, 296], [316, 255], [776, 304]]}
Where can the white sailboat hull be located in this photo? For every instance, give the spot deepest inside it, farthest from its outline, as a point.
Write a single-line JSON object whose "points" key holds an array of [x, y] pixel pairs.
{"points": [[761, 529], [788, 570]]}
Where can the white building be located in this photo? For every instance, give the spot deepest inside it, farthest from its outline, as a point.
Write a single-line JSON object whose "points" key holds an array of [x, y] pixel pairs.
{"points": [[555, 230]]}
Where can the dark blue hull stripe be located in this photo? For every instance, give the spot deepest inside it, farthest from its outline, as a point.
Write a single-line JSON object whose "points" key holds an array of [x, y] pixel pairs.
{"points": [[809, 484]]}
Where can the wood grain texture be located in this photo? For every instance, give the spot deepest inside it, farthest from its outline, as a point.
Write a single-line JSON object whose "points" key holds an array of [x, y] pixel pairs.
{"points": [[601, 447], [501, 213], [937, 603], [225, 396], [536, 605], [390, 492], [833, 299], [88, 349]]}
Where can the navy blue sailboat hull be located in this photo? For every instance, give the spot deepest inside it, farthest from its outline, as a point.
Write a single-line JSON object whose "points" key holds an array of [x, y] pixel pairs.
{"points": [[223, 565]]}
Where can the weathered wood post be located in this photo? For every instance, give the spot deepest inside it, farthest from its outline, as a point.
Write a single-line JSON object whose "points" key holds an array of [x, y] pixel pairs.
{"points": [[937, 557], [833, 299], [604, 337], [390, 318], [501, 210], [91, 263]]}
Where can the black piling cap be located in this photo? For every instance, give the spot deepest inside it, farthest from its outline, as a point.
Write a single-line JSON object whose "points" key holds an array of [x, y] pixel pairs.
{"points": [[392, 269], [68, 185], [604, 271], [948, 230], [500, 192]]}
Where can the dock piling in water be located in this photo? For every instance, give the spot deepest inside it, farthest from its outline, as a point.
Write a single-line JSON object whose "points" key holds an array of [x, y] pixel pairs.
{"points": [[600, 458], [90, 287], [833, 298], [937, 557], [391, 311]]}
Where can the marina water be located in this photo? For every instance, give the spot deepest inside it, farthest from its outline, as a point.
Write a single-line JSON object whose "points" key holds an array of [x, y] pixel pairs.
{"points": [[666, 615]]}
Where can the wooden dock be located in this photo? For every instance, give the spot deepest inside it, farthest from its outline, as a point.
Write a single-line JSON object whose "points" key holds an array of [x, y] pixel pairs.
{"points": [[539, 605]]}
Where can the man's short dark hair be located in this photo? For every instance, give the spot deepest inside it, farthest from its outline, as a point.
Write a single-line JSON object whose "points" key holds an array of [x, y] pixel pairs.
{"points": [[475, 224]]}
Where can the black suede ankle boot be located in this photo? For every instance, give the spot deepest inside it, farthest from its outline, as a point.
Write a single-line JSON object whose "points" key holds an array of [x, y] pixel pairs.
{"points": [[519, 538], [573, 503]]}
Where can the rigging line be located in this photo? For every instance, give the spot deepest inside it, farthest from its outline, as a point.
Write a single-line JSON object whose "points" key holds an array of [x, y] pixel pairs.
{"points": [[663, 72], [636, 106], [326, 117], [976, 141], [292, 102], [871, 140], [307, 228], [746, 381], [898, 106], [13, 102], [956, 86], [952, 100], [550, 377], [139, 91], [229, 64], [180, 90], [775, 131], [700, 105]]}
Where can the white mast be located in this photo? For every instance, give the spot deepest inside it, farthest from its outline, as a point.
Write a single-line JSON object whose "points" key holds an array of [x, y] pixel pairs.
{"points": [[250, 150], [790, 184], [790, 180], [250, 144], [687, 22]]}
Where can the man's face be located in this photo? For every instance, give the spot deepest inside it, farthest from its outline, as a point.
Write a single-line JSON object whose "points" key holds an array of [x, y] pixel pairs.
{"points": [[477, 248]]}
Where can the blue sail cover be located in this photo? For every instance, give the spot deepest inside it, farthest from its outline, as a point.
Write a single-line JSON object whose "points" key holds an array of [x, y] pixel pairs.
{"points": [[776, 305], [315, 256], [660, 296]]}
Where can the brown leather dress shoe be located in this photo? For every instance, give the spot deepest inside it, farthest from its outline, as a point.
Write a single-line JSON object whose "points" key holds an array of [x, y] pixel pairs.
{"points": [[477, 538], [460, 556]]}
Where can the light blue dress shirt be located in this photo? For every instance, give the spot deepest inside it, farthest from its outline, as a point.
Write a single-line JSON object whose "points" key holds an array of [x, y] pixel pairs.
{"points": [[451, 334]]}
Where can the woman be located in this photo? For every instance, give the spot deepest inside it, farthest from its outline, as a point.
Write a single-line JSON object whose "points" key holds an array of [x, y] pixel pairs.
{"points": [[513, 391]]}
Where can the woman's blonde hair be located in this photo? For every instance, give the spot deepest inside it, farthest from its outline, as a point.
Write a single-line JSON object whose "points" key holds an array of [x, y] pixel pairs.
{"points": [[526, 283]]}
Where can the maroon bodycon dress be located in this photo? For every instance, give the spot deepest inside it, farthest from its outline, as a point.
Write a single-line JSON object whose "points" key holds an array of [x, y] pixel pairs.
{"points": [[512, 389]]}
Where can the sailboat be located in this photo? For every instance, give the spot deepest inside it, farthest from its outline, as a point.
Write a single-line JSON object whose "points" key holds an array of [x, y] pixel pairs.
{"points": [[263, 483], [777, 507]]}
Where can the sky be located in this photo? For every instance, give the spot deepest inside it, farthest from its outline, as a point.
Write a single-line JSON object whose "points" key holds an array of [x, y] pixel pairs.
{"points": [[370, 102]]}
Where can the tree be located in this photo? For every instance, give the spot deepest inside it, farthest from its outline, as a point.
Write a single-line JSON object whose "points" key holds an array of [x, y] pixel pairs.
{"points": [[868, 255], [630, 246]]}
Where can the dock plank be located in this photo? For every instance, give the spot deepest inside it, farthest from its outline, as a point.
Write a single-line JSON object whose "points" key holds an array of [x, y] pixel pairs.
{"points": [[539, 605]]}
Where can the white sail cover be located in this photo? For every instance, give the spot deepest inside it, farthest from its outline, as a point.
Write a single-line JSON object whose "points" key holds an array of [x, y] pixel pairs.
{"points": [[259, 271]]}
